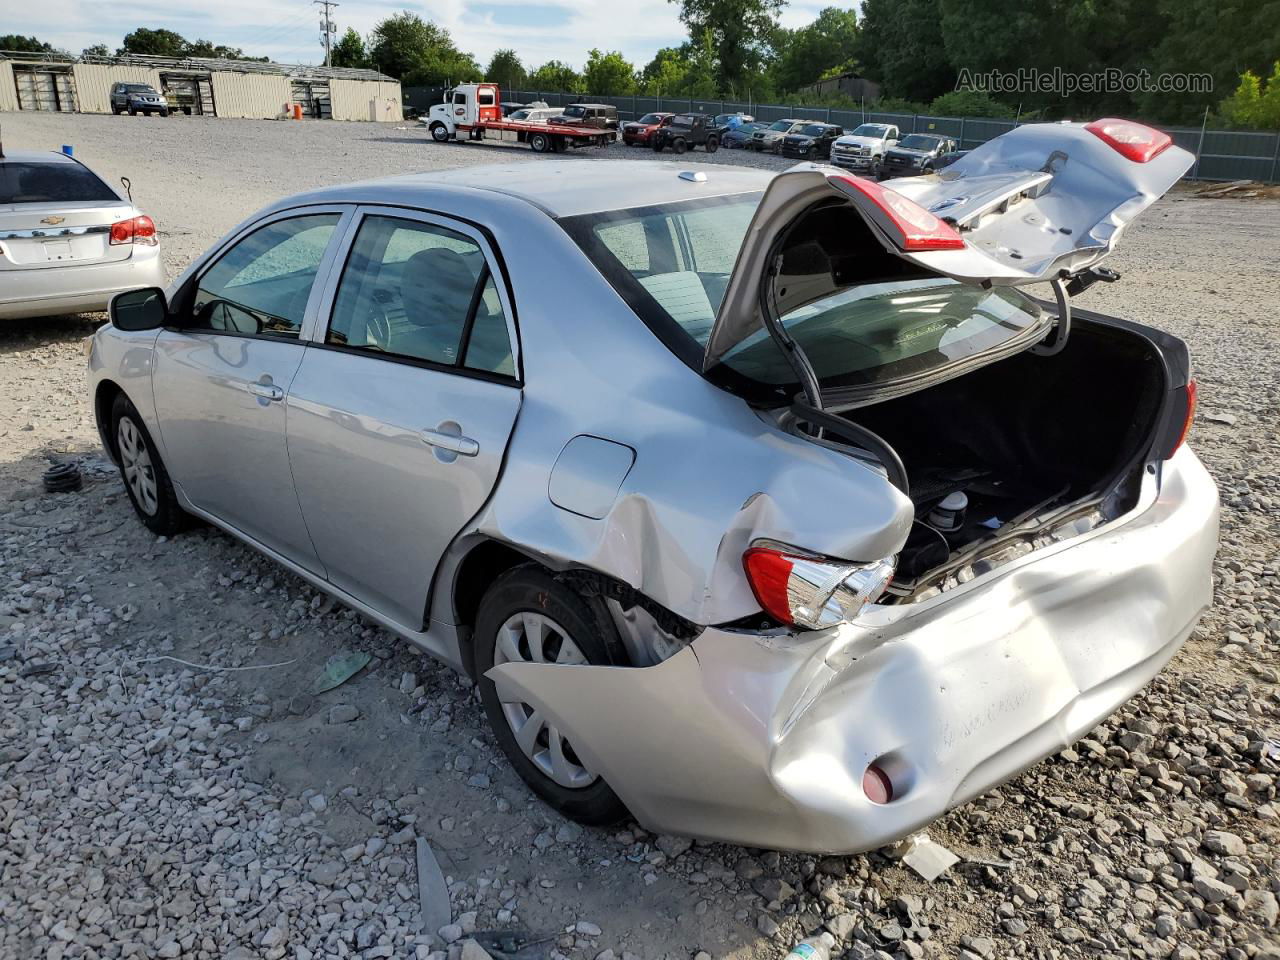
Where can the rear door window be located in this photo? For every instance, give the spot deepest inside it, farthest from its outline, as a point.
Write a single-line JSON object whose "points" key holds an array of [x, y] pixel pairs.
{"points": [[419, 291], [24, 182]]}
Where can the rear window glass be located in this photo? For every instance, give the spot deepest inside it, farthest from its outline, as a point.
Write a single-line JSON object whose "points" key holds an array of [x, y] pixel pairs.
{"points": [[22, 182], [862, 316]]}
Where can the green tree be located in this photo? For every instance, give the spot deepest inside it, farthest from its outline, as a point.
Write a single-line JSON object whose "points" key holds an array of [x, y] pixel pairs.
{"points": [[20, 44], [900, 45], [970, 103], [154, 43], [1255, 104], [418, 52], [349, 50], [97, 50], [740, 32], [828, 45], [664, 75], [608, 74], [217, 51], [554, 75], [506, 70]]}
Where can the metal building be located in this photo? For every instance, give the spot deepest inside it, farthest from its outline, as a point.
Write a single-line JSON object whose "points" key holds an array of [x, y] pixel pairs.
{"points": [[197, 86]]}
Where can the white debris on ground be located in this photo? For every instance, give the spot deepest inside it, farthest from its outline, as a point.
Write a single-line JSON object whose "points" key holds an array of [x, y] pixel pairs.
{"points": [[153, 809]]}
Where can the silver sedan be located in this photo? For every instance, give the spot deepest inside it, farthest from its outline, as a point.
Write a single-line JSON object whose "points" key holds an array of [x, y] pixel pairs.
{"points": [[68, 241], [770, 509]]}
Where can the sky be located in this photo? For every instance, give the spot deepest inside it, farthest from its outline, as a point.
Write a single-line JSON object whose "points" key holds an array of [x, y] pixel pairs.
{"points": [[288, 31]]}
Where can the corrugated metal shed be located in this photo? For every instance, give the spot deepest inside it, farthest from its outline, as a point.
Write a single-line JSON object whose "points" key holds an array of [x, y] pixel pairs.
{"points": [[365, 100], [8, 91], [94, 80], [253, 95]]}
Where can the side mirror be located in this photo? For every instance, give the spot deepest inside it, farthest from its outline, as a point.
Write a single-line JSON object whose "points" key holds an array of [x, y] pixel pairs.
{"points": [[144, 309]]}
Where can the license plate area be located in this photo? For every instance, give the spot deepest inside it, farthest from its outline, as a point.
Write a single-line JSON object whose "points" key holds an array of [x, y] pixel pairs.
{"points": [[58, 250]]}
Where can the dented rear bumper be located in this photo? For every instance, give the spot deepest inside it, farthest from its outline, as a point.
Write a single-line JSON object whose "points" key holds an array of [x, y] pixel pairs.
{"points": [[763, 739]]}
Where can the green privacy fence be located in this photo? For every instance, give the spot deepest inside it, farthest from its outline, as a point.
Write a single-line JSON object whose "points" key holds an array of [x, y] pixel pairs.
{"points": [[1220, 154]]}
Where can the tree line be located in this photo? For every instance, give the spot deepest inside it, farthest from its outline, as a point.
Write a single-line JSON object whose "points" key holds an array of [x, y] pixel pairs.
{"points": [[916, 50]]}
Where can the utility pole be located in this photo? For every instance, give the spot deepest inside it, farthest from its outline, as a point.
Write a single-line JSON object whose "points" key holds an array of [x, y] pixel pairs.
{"points": [[327, 29]]}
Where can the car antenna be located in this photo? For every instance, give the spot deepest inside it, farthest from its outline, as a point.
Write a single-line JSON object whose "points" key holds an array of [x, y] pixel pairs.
{"points": [[128, 187]]}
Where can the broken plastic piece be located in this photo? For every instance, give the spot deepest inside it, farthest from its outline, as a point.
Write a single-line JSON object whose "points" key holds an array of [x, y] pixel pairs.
{"points": [[340, 668], [928, 859], [433, 892]]}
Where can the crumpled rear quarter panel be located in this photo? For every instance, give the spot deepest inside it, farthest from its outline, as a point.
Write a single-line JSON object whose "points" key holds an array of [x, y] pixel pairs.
{"points": [[763, 740]]}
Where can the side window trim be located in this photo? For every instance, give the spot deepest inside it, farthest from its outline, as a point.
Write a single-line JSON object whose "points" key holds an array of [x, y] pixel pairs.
{"points": [[345, 215], [492, 269]]}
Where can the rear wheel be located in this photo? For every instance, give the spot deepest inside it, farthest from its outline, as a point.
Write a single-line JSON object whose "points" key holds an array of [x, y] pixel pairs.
{"points": [[559, 144], [539, 142], [713, 144], [145, 478], [527, 616], [439, 132]]}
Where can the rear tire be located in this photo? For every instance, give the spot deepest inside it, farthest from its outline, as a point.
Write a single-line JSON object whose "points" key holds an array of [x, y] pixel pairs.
{"points": [[529, 616], [713, 144], [145, 479], [539, 142]]}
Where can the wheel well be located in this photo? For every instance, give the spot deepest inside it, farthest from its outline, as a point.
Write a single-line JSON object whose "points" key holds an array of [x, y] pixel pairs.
{"points": [[103, 400], [477, 572]]}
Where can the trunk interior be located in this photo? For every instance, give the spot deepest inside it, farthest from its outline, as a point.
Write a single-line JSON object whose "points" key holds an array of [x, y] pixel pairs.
{"points": [[1021, 439]]}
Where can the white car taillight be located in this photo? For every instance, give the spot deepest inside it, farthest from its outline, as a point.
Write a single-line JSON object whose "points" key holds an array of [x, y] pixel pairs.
{"points": [[813, 592]]}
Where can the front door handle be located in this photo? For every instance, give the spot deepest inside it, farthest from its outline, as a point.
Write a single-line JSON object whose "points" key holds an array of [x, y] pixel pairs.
{"points": [[463, 446], [267, 391]]}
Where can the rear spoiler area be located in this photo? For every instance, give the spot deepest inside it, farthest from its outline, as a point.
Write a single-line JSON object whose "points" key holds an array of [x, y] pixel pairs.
{"points": [[1043, 203]]}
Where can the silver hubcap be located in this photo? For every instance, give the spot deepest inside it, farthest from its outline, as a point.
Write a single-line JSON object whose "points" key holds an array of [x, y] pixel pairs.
{"points": [[135, 461], [529, 637]]}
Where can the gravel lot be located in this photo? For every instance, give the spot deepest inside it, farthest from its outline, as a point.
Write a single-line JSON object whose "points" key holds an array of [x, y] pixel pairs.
{"points": [[154, 809]]}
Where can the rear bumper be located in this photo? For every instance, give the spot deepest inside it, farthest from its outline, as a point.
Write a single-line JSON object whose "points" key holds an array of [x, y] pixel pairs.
{"points": [[83, 288], [763, 740]]}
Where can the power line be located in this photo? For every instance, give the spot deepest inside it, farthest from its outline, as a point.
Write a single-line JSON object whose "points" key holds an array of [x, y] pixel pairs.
{"points": [[328, 27]]}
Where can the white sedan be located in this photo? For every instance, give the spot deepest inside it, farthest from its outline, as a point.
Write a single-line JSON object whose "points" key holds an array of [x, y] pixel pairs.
{"points": [[68, 241]]}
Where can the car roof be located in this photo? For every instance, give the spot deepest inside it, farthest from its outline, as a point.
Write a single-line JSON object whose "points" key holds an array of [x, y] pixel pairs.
{"points": [[567, 188], [36, 156], [592, 105]]}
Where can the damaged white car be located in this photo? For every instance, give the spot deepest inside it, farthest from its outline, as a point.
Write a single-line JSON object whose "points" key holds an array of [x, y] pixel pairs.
{"points": [[785, 515]]}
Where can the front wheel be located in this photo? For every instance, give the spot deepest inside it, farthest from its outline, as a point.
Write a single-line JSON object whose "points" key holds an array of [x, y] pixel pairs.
{"points": [[145, 479], [657, 146], [439, 132], [527, 616], [539, 142], [133, 111], [680, 146]]}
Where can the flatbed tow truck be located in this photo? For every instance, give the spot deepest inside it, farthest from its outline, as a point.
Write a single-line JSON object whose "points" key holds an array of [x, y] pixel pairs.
{"points": [[472, 111]]}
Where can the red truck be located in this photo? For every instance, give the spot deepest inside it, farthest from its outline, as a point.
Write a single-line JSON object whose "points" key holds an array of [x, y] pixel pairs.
{"points": [[473, 111]]}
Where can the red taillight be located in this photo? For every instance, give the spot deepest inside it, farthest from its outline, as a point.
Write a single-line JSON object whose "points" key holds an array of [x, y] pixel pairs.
{"points": [[812, 592], [1134, 141], [877, 785], [140, 229], [917, 229], [768, 572], [1192, 400]]}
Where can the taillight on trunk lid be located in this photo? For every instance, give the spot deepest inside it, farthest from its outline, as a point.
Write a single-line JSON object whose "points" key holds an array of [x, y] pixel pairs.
{"points": [[141, 229], [812, 592]]}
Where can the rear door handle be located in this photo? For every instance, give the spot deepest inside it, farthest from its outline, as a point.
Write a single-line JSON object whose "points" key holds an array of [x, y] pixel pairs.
{"points": [[267, 391], [463, 446]]}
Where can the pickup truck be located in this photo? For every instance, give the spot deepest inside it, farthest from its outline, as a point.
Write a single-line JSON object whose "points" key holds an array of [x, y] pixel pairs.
{"points": [[864, 149], [918, 153]]}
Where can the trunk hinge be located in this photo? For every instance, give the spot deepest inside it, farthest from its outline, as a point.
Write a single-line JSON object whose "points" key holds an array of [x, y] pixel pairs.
{"points": [[795, 355], [1062, 329]]}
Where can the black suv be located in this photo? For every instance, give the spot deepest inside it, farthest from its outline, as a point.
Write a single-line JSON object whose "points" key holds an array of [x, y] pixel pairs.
{"points": [[812, 141], [687, 130], [136, 98], [918, 153], [602, 115]]}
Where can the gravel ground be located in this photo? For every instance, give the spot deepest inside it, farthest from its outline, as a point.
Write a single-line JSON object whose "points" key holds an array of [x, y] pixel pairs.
{"points": [[151, 808]]}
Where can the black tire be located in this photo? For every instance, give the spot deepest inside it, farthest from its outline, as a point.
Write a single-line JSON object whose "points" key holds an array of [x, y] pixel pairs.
{"points": [[539, 142], [559, 144], [115, 111], [439, 132], [167, 517], [657, 146], [133, 112], [164, 113], [679, 145], [713, 144], [531, 589]]}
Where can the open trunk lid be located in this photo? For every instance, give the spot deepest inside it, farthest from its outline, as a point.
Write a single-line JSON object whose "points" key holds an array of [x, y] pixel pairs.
{"points": [[1042, 202]]}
